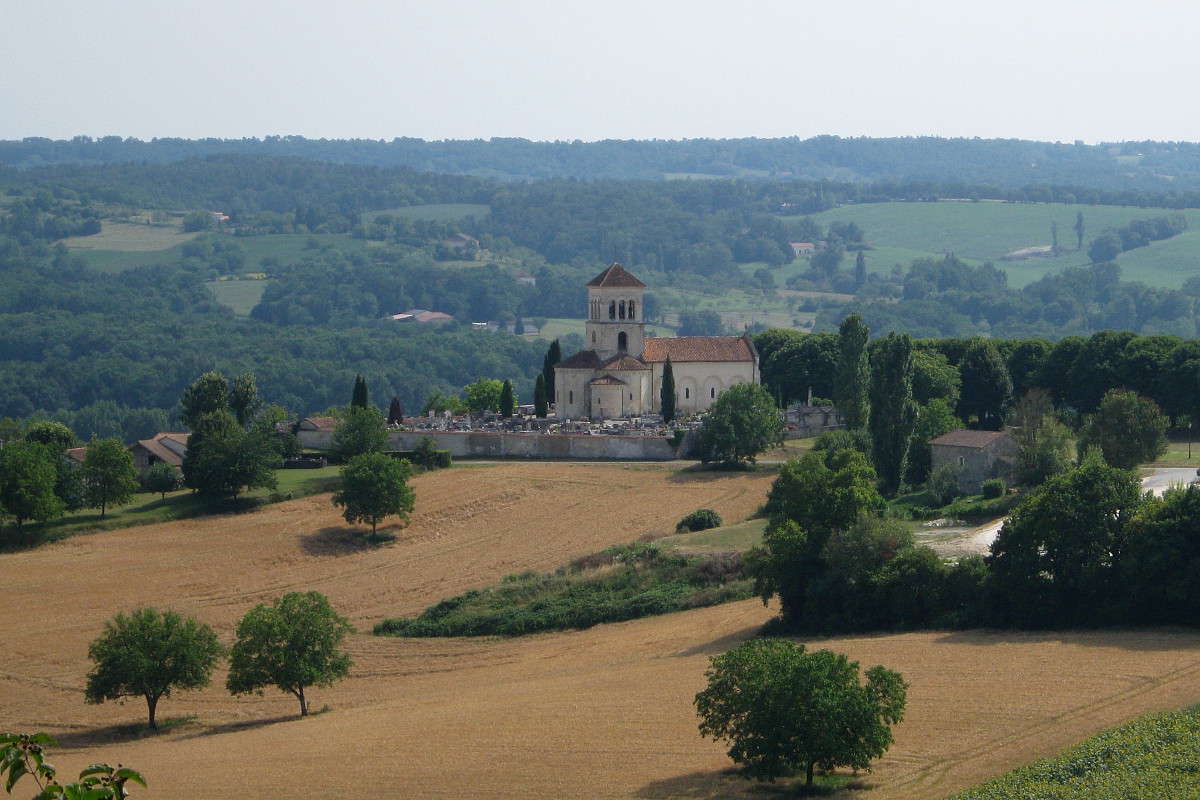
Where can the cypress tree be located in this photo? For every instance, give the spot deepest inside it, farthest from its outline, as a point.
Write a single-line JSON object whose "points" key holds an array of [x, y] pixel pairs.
{"points": [[506, 399], [893, 410], [553, 356], [540, 407], [666, 397], [860, 270], [395, 412], [519, 326], [359, 398], [853, 372]]}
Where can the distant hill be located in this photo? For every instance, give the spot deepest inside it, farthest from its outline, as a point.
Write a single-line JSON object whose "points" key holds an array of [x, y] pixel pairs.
{"points": [[1146, 166]]}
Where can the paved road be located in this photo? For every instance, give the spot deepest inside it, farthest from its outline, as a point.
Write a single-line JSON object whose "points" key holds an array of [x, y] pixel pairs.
{"points": [[1158, 481]]}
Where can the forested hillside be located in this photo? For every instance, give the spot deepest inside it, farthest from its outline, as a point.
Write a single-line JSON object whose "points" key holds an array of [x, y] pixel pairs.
{"points": [[1156, 166]]}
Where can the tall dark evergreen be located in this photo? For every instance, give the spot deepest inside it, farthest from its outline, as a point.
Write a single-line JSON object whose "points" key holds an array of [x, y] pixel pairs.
{"points": [[860, 270], [853, 372], [986, 385], [540, 407], [507, 401], [359, 398], [666, 396], [553, 356], [893, 410], [395, 412], [1079, 231], [519, 326]]}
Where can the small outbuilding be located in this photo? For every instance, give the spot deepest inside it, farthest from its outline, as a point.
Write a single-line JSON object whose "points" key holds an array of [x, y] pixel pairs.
{"points": [[976, 455], [170, 448]]}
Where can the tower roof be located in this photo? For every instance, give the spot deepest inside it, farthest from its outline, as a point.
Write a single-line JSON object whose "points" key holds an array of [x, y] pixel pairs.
{"points": [[616, 276]]}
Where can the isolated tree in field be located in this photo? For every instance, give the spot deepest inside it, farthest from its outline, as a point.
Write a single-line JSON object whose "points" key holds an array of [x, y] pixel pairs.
{"points": [[986, 385], [55, 435], [27, 479], [395, 412], [208, 394], [109, 478], [860, 270], [508, 403], [244, 401], [375, 486], [161, 477], [148, 654], [784, 710], [1079, 230], [893, 412], [1105, 247], [553, 356], [484, 395], [361, 431], [743, 422], [291, 645], [666, 393], [358, 399], [853, 372], [540, 407], [1128, 429]]}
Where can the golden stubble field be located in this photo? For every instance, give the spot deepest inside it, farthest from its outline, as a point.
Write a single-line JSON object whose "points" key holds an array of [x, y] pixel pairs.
{"points": [[599, 713]]}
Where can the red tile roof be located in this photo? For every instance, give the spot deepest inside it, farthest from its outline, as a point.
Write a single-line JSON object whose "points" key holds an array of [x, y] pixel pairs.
{"points": [[168, 447], [615, 276], [319, 423], [77, 453], [699, 348], [966, 438], [607, 380], [624, 361]]}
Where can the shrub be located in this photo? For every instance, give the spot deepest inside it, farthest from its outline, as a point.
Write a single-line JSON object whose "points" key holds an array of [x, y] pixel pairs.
{"points": [[699, 520], [426, 455], [943, 485], [996, 487]]}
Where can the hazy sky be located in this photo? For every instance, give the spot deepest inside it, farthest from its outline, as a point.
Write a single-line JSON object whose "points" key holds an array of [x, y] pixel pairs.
{"points": [[600, 69]]}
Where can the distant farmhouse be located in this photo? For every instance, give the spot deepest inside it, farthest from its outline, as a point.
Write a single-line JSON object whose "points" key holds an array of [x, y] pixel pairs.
{"points": [[620, 375], [975, 456], [169, 448]]}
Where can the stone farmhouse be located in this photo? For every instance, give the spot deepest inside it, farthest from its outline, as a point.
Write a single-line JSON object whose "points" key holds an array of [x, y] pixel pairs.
{"points": [[976, 456], [620, 374]]}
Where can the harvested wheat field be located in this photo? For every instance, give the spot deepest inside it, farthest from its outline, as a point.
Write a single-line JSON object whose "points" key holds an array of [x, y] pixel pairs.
{"points": [[602, 712]]}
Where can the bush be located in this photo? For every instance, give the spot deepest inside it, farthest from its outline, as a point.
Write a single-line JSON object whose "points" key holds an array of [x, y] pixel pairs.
{"points": [[943, 485], [426, 455], [996, 487], [699, 520]]}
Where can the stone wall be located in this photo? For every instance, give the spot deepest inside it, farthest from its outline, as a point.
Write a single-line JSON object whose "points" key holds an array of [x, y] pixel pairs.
{"points": [[521, 445]]}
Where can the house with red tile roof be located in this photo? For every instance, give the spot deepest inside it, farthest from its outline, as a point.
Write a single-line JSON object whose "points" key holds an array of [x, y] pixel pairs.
{"points": [[170, 448], [620, 372]]}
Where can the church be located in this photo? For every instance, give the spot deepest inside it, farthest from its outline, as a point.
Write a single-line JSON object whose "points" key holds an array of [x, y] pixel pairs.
{"points": [[620, 374]]}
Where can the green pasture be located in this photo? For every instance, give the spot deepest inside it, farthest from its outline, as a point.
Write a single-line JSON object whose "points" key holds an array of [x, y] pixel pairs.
{"points": [[985, 231], [726, 539], [434, 212], [239, 295], [289, 248]]}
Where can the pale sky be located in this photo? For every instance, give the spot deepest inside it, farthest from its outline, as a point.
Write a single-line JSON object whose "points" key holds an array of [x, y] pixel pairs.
{"points": [[668, 69]]}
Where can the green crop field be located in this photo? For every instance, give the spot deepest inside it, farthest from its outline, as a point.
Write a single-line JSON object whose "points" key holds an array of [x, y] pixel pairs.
{"points": [[1153, 758], [288, 248], [985, 231], [130, 236], [239, 295], [434, 212]]}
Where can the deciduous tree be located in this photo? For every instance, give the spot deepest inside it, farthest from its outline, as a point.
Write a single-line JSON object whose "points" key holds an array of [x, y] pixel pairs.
{"points": [[27, 480], [374, 487], [293, 644], [853, 372], [148, 654], [109, 478], [785, 710], [743, 422], [361, 431], [1128, 429], [161, 477], [986, 386]]}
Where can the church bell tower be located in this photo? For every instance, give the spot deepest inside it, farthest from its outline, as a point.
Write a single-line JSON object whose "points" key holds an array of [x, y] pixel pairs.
{"points": [[616, 313]]}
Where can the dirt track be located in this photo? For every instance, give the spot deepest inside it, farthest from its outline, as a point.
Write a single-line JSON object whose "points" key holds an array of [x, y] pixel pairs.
{"points": [[603, 712]]}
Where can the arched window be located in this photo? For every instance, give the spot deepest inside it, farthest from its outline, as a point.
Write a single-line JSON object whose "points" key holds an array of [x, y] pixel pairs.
{"points": [[687, 393], [571, 398], [593, 337], [621, 310], [632, 315], [622, 342], [612, 309]]}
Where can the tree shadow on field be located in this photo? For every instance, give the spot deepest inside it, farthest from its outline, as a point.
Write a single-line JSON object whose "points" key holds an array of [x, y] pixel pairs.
{"points": [[246, 725], [721, 643], [728, 783], [1134, 639], [340, 540], [709, 473], [88, 737]]}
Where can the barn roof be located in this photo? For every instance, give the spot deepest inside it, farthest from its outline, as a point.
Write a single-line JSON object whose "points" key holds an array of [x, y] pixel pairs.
{"points": [[699, 348], [616, 276], [966, 438]]}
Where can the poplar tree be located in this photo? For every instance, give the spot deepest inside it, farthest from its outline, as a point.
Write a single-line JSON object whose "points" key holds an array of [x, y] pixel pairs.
{"points": [[853, 373], [860, 270], [540, 408], [666, 396], [893, 411], [553, 356], [1079, 230], [507, 401]]}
